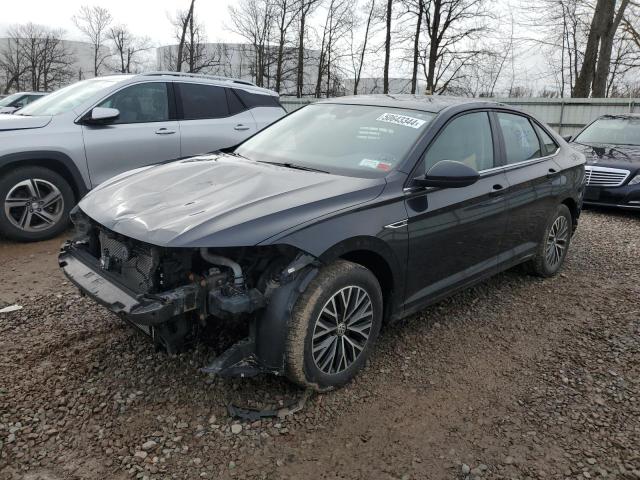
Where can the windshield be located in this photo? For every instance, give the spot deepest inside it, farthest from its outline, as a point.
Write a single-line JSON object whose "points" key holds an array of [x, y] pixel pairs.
{"points": [[355, 140], [69, 97], [11, 98], [612, 131]]}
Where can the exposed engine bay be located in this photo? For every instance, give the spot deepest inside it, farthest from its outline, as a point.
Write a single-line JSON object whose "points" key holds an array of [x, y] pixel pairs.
{"points": [[171, 293]]}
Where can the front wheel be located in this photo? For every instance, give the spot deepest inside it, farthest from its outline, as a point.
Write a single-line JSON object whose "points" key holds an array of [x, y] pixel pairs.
{"points": [[334, 326], [35, 204], [553, 247]]}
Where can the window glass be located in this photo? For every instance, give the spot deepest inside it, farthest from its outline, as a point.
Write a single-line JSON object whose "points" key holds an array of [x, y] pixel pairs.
{"points": [[203, 101], [357, 140], [521, 141], [611, 130], [70, 97], [466, 139], [549, 146], [7, 101], [235, 105], [252, 100], [144, 102]]}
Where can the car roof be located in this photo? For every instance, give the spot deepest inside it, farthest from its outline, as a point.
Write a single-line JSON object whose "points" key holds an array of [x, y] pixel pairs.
{"points": [[426, 103], [213, 80]]}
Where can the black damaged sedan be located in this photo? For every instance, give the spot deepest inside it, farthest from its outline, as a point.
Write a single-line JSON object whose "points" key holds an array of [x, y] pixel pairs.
{"points": [[611, 144], [342, 216]]}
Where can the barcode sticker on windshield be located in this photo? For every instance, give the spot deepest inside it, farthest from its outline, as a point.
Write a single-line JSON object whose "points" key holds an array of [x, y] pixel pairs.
{"points": [[401, 120]]}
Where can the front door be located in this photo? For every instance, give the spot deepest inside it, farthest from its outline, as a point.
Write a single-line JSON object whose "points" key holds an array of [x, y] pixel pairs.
{"points": [[455, 233], [143, 134]]}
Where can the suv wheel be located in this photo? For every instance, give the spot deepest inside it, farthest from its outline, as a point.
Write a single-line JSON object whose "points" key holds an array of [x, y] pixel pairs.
{"points": [[35, 204], [334, 326], [554, 245]]}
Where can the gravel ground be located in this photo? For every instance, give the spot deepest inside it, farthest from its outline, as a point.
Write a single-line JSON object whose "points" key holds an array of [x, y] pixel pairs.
{"points": [[516, 378]]}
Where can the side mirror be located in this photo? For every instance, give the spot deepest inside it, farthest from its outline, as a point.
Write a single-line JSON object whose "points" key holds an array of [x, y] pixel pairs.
{"points": [[567, 138], [100, 115], [448, 174]]}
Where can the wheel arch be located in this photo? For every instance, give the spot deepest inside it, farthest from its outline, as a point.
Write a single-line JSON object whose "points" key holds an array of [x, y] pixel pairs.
{"points": [[375, 255], [572, 205], [55, 161]]}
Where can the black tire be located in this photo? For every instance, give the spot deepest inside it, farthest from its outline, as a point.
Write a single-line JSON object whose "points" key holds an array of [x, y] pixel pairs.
{"points": [[541, 264], [345, 277], [39, 228]]}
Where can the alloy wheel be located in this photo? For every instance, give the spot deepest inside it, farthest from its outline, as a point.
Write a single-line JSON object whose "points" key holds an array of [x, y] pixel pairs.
{"points": [[342, 329], [557, 241], [34, 205]]}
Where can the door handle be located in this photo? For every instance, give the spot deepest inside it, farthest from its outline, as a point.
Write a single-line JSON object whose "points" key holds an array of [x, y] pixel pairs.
{"points": [[497, 189], [552, 173], [241, 127], [164, 131]]}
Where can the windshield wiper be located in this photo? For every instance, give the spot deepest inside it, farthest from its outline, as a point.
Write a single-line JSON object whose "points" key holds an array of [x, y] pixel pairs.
{"points": [[295, 166]]}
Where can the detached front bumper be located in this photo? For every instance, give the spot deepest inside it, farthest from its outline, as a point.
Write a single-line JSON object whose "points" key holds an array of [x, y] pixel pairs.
{"points": [[626, 196], [141, 309]]}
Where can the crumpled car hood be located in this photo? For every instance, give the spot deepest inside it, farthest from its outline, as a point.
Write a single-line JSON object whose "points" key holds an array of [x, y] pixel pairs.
{"points": [[19, 122], [218, 201]]}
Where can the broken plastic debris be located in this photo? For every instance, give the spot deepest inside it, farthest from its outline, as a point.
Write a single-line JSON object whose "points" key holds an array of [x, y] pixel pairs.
{"points": [[10, 308]]}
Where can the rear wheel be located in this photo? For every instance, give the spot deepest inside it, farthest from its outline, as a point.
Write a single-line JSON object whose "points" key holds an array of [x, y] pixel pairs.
{"points": [[35, 204], [334, 326], [554, 244]]}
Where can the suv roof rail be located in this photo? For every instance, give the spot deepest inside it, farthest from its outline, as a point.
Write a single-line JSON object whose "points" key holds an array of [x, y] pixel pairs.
{"points": [[200, 75]]}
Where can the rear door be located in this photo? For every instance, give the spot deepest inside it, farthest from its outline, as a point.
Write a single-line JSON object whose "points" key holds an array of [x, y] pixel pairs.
{"points": [[532, 175], [146, 132], [455, 233], [211, 118]]}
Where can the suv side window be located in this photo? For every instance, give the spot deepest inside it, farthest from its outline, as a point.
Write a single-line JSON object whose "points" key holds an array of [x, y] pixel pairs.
{"points": [[203, 101], [252, 100], [520, 140], [549, 146], [140, 103], [466, 139]]}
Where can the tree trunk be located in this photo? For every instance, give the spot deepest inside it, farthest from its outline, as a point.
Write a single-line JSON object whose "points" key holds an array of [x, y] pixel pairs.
{"points": [[606, 48], [416, 46], [387, 48], [300, 70], [434, 46], [183, 37], [601, 17]]}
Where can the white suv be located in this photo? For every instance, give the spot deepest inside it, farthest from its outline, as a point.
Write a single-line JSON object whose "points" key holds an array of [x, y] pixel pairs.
{"points": [[55, 150]]}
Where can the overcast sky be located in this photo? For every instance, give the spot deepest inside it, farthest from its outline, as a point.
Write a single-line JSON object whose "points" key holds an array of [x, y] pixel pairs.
{"points": [[144, 17]]}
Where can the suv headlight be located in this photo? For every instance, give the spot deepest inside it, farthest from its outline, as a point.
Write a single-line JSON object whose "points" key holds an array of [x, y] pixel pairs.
{"points": [[635, 180]]}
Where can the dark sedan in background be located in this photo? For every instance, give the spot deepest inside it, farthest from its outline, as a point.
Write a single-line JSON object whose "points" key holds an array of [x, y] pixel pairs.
{"points": [[345, 214], [611, 145]]}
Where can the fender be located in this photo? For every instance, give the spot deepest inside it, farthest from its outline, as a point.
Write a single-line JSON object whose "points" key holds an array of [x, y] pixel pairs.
{"points": [[39, 157]]}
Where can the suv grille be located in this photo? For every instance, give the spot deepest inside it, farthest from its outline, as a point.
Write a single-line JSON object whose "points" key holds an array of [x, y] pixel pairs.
{"points": [[604, 177], [132, 263]]}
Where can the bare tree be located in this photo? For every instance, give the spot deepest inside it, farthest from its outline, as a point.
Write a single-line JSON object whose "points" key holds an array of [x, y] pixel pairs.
{"points": [[253, 19], [285, 12], [306, 8], [452, 26], [597, 55], [180, 24], [387, 46], [127, 47], [358, 52], [36, 58], [339, 22], [94, 23]]}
